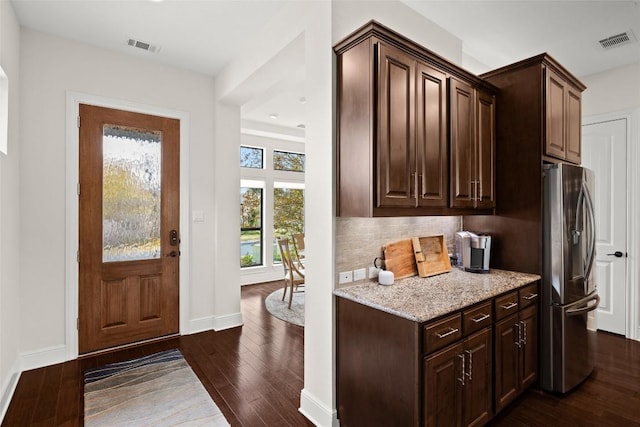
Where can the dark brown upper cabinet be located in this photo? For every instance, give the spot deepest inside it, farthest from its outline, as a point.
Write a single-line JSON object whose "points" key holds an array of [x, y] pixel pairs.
{"points": [[472, 117], [393, 129], [562, 103]]}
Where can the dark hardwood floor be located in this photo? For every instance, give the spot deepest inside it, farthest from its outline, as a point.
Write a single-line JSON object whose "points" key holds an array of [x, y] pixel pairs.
{"points": [[609, 397], [255, 374]]}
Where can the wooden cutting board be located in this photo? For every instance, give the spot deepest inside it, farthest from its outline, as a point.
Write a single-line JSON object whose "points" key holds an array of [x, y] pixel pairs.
{"points": [[400, 259], [431, 255]]}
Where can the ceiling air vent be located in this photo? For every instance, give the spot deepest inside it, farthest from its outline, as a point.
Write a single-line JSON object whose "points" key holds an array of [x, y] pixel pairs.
{"points": [[143, 45], [618, 40]]}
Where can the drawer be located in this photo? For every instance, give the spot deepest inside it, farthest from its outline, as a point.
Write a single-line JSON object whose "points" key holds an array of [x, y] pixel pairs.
{"points": [[506, 304], [528, 295], [476, 318], [442, 332]]}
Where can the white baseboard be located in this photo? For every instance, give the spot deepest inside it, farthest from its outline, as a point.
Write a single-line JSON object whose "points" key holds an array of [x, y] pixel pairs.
{"points": [[45, 357], [227, 322], [8, 388], [316, 412], [216, 323]]}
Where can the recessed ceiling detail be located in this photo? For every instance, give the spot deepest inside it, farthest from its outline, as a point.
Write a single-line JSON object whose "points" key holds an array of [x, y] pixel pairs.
{"points": [[143, 45], [618, 40]]}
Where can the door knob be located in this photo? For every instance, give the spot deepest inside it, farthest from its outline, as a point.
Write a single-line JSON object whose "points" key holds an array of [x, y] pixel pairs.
{"points": [[172, 254], [617, 254]]}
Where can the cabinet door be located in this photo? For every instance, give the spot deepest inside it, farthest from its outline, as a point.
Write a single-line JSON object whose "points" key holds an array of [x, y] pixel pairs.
{"points": [[463, 185], [396, 133], [485, 147], [573, 125], [529, 347], [555, 88], [443, 392], [431, 137], [506, 352], [476, 406]]}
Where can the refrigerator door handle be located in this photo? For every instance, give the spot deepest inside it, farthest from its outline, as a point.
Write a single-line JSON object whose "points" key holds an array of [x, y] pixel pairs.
{"points": [[592, 304], [592, 226]]}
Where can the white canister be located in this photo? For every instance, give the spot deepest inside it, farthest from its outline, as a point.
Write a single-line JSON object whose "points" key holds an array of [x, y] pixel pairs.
{"points": [[385, 277]]}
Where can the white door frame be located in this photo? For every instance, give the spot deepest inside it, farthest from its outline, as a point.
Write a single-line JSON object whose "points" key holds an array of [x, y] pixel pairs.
{"points": [[74, 99], [633, 213]]}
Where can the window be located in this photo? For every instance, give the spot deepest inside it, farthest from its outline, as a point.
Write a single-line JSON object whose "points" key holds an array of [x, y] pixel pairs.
{"points": [[271, 203], [287, 161], [251, 157], [288, 211], [251, 223]]}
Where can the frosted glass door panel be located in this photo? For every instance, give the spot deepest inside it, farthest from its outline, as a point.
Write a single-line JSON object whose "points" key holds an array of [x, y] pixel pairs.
{"points": [[130, 193]]}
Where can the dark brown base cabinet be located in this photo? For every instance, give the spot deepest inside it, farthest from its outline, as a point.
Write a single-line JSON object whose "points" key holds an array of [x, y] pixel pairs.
{"points": [[458, 383], [457, 370]]}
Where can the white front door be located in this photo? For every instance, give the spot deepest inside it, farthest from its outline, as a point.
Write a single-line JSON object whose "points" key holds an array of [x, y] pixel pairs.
{"points": [[604, 150]]}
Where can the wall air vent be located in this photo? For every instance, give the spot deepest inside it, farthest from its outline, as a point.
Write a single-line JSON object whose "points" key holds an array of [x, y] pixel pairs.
{"points": [[618, 40], [143, 45]]}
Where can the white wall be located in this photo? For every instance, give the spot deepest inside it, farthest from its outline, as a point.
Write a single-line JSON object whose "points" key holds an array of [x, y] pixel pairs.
{"points": [[613, 90], [9, 212], [348, 15], [610, 95], [50, 67]]}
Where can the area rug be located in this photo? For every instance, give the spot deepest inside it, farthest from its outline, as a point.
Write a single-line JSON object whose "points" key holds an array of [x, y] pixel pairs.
{"points": [[280, 309], [156, 390]]}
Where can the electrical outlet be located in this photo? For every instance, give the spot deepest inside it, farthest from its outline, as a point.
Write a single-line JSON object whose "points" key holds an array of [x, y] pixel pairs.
{"points": [[373, 272], [359, 274], [345, 277]]}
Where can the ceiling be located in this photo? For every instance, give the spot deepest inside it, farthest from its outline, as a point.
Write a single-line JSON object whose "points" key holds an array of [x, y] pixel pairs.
{"points": [[203, 35]]}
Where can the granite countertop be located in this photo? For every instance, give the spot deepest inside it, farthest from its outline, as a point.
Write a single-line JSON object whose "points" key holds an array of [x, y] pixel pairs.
{"points": [[422, 299]]}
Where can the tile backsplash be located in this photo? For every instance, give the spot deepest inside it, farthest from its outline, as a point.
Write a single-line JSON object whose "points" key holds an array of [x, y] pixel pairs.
{"points": [[360, 240]]}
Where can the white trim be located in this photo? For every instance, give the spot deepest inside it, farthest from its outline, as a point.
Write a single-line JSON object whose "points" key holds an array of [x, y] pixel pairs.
{"points": [[8, 388], [632, 118], [316, 412], [227, 321], [74, 99], [43, 357]]}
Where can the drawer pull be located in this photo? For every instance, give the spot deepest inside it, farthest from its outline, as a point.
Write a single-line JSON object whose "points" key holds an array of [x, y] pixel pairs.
{"points": [[446, 334], [509, 306], [531, 296], [479, 318]]}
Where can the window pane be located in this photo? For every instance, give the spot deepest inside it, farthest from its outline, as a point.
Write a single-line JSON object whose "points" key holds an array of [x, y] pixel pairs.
{"points": [[250, 248], [130, 193], [286, 161], [288, 214], [251, 157], [251, 226]]}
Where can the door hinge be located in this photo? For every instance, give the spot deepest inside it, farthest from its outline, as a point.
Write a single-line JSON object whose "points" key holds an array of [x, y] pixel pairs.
{"points": [[78, 188], [77, 323], [77, 256], [78, 122]]}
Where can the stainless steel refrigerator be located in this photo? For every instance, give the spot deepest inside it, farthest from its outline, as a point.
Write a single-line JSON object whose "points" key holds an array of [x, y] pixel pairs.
{"points": [[568, 285]]}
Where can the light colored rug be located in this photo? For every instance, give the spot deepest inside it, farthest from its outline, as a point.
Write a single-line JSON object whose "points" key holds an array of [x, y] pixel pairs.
{"points": [[156, 390], [280, 309]]}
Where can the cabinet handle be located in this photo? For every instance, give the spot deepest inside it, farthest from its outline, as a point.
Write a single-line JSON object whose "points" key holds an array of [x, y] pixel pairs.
{"points": [[524, 332], [519, 341], [479, 318], [468, 374], [461, 378], [531, 296], [446, 334], [479, 190], [412, 179], [509, 306]]}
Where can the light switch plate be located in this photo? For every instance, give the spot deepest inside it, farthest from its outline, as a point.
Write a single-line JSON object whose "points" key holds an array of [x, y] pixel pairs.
{"points": [[373, 272], [359, 274]]}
